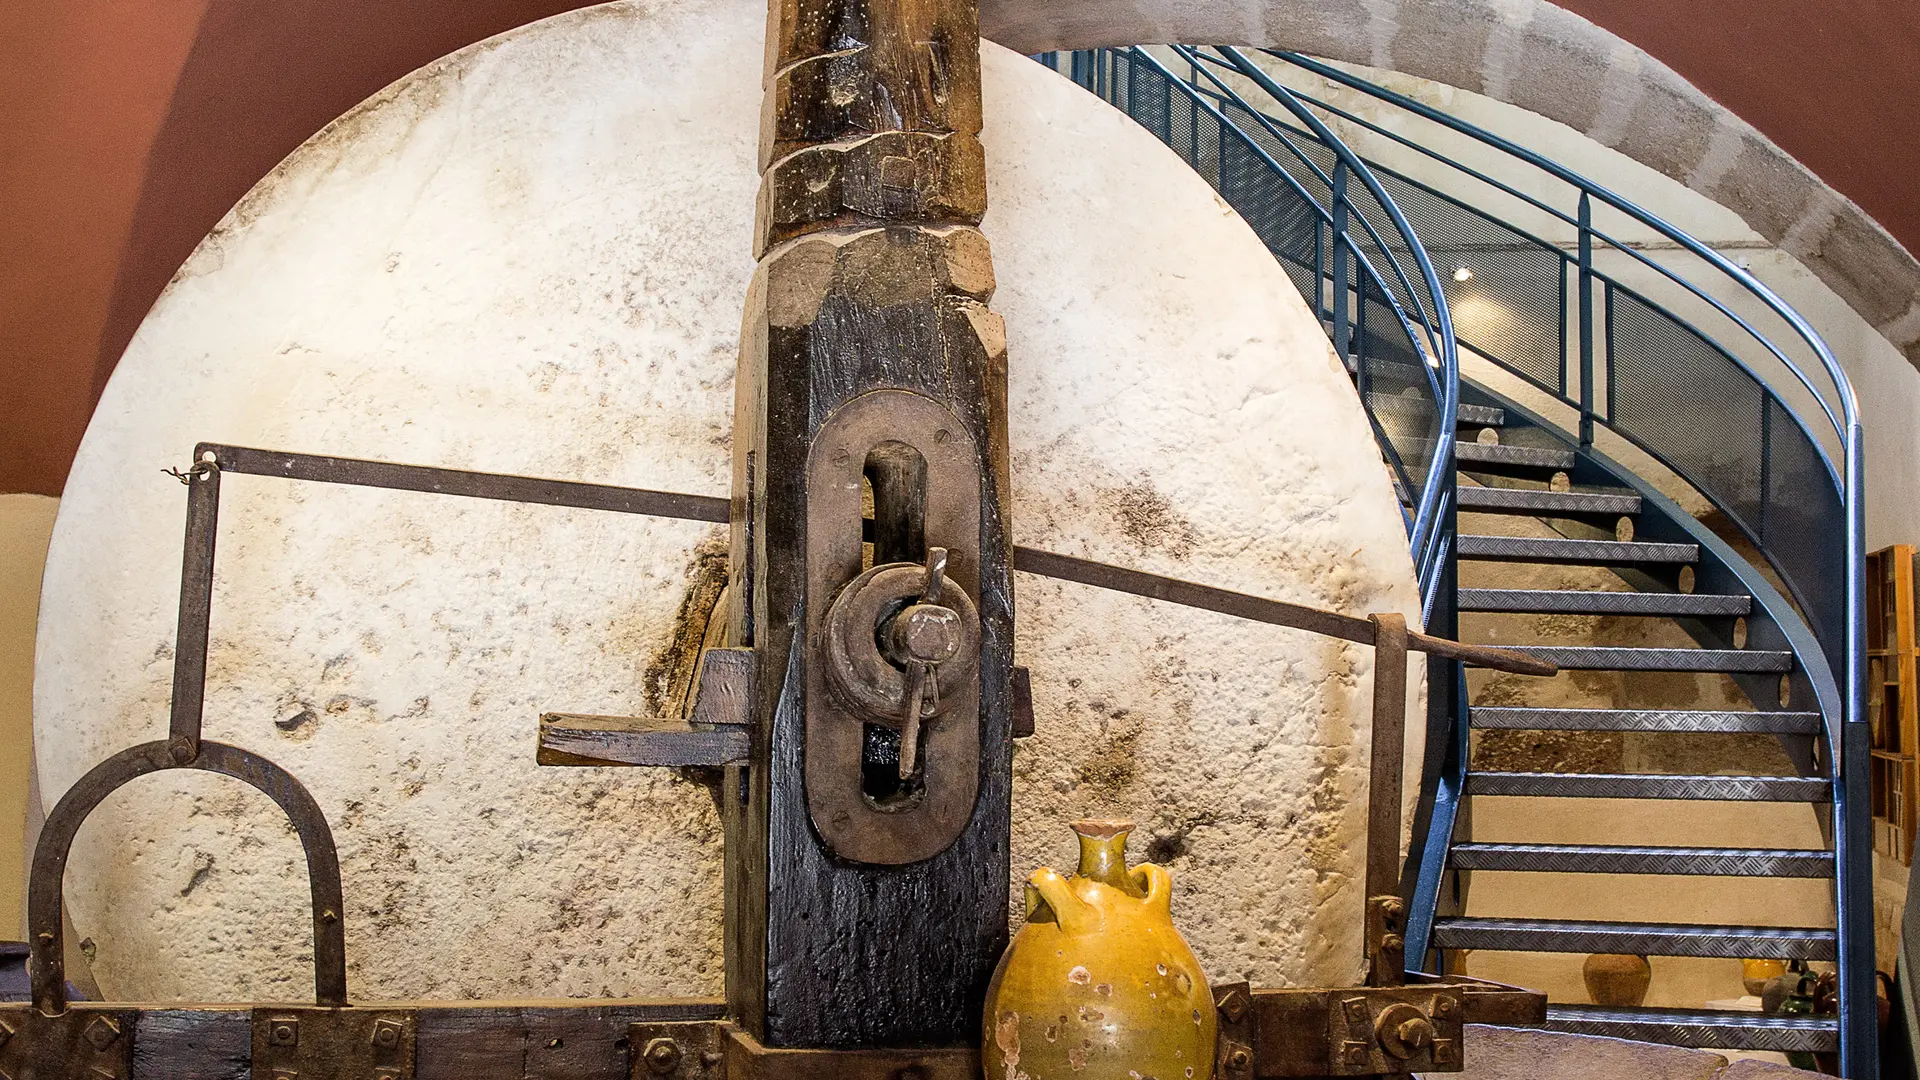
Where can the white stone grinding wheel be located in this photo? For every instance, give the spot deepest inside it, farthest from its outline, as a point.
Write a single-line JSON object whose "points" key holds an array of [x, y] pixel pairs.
{"points": [[532, 257]]}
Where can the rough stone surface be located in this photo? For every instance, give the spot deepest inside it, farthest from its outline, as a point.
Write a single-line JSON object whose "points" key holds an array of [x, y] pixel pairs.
{"points": [[1754, 1069], [1493, 1053], [1543, 58], [532, 257]]}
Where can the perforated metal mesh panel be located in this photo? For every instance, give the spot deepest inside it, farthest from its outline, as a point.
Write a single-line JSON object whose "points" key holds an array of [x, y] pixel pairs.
{"points": [[1683, 398]]}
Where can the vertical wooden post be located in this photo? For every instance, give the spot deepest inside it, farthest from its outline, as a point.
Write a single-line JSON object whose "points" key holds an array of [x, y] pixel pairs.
{"points": [[864, 908], [1386, 913]]}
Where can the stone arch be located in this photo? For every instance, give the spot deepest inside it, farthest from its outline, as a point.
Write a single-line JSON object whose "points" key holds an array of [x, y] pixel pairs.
{"points": [[1548, 60]]}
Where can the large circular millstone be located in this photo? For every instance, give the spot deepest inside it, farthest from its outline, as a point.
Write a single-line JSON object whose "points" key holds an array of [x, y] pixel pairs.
{"points": [[532, 257]]}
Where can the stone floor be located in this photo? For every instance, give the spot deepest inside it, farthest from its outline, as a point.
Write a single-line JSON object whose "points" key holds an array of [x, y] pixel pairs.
{"points": [[1518, 1054]]}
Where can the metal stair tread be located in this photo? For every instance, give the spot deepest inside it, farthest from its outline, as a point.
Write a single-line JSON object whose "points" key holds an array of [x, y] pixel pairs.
{"points": [[1472, 453], [1636, 859], [1624, 658], [1400, 405], [1646, 939], [1565, 550], [1724, 1030], [1480, 499], [1601, 602], [1525, 718], [1651, 786]]}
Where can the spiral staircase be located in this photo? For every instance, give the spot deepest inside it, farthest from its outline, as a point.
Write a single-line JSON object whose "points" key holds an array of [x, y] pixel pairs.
{"points": [[1612, 388]]}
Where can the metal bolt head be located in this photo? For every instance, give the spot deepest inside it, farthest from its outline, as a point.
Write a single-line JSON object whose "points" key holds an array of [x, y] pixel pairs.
{"points": [[1394, 909], [1443, 1006], [1240, 1060], [1233, 1007], [182, 750], [1356, 1053], [662, 1055], [928, 633], [284, 1033], [1416, 1033], [386, 1034], [1393, 943]]}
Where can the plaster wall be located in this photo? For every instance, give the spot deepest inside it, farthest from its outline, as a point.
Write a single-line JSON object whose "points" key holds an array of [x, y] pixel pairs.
{"points": [[26, 523], [532, 257]]}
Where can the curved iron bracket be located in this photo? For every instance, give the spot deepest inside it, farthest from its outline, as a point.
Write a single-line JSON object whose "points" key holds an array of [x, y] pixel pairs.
{"points": [[45, 889]]}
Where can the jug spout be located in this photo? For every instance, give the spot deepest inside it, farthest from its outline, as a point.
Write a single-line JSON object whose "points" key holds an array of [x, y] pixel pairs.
{"points": [[1047, 891], [1103, 852]]}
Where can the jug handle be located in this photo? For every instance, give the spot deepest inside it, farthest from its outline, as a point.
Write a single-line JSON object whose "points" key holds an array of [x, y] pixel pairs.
{"points": [[1072, 913], [1156, 883]]}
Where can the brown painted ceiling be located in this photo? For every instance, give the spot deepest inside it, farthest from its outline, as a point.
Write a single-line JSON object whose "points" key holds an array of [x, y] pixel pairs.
{"points": [[128, 127]]}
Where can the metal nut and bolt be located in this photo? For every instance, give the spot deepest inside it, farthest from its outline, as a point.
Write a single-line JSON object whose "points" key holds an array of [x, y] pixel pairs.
{"points": [[1233, 1006], [1443, 1006], [386, 1034], [928, 633], [1393, 943], [1416, 1033], [284, 1033], [662, 1055], [1240, 1060]]}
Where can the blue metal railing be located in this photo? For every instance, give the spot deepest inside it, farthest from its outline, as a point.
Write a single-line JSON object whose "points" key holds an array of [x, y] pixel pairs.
{"points": [[1389, 323], [1705, 410]]}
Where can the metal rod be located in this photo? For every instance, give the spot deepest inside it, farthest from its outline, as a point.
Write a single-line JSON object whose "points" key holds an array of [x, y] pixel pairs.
{"points": [[1342, 331], [1259, 609], [1586, 320], [477, 485], [196, 609]]}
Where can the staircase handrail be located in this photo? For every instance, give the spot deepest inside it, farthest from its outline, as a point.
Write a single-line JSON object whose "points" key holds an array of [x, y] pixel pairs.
{"points": [[1430, 334]]}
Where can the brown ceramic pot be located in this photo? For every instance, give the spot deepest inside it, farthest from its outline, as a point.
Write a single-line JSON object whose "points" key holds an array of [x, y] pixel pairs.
{"points": [[1617, 980]]}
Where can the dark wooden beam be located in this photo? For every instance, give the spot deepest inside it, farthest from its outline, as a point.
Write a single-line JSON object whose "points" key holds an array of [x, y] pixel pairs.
{"points": [[848, 927]]}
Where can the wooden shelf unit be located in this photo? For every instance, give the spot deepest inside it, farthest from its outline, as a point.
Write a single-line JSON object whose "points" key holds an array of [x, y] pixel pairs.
{"points": [[1893, 698]]}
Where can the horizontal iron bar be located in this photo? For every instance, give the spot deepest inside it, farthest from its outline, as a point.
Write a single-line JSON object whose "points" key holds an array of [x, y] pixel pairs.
{"points": [[1258, 609], [1597, 602], [464, 1040], [1698, 1027], [1694, 720], [1612, 859], [1651, 786], [478, 485], [1646, 939], [381, 474]]}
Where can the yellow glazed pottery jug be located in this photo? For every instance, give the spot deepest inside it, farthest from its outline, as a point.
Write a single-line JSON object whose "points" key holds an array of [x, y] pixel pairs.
{"points": [[1098, 985]]}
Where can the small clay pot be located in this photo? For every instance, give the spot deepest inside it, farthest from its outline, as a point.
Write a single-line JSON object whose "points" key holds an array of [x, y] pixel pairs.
{"points": [[1756, 974], [1617, 980]]}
